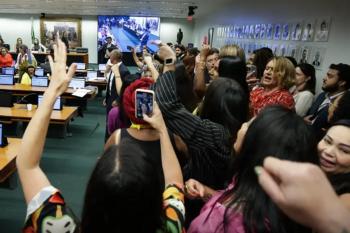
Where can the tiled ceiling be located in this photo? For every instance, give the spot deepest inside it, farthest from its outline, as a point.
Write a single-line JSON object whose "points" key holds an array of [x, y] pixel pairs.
{"points": [[162, 8]]}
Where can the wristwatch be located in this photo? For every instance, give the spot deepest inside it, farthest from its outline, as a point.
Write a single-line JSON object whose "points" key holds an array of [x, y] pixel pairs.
{"points": [[169, 61]]}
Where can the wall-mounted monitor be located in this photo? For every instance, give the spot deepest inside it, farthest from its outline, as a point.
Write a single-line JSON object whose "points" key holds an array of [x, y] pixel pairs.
{"points": [[77, 83], [58, 105], [8, 70], [128, 31], [6, 79], [40, 81]]}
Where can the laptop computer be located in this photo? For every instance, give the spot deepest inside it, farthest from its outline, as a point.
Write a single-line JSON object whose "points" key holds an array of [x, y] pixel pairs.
{"points": [[91, 75], [102, 67], [58, 103], [6, 79], [81, 66], [77, 83], [8, 70], [40, 81], [5, 99], [3, 139], [39, 72]]}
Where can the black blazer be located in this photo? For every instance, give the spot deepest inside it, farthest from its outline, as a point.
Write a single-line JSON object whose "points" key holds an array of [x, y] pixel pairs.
{"points": [[113, 95], [320, 115]]}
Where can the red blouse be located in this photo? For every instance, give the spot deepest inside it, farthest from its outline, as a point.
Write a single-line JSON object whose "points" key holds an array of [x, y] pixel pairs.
{"points": [[259, 99], [6, 61]]}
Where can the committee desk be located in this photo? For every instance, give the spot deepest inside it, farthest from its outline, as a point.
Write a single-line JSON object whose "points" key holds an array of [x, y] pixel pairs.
{"points": [[8, 156], [59, 119], [72, 57], [22, 90]]}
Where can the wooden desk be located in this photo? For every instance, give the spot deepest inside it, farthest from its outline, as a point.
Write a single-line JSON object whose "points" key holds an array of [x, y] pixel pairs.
{"points": [[97, 82], [8, 158], [22, 89], [19, 112]]}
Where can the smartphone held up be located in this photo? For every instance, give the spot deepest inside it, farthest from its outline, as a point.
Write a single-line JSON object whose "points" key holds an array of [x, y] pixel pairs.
{"points": [[144, 102]]}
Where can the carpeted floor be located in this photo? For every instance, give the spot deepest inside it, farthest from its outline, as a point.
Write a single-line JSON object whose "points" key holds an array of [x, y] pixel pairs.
{"points": [[67, 162]]}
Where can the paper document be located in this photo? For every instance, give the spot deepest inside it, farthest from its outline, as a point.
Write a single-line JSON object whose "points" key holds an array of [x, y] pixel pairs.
{"points": [[81, 92]]}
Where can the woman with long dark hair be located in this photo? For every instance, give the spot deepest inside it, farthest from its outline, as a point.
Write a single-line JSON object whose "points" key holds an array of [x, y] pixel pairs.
{"points": [[244, 206]]}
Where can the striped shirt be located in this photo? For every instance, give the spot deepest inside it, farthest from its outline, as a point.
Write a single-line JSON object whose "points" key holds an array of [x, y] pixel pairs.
{"points": [[208, 142]]}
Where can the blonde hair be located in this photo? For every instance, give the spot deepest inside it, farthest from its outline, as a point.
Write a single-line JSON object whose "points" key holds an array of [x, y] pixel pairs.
{"points": [[285, 72], [232, 50], [117, 54]]}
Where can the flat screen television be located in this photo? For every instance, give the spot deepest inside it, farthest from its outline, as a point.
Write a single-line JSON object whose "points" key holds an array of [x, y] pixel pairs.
{"points": [[128, 31]]}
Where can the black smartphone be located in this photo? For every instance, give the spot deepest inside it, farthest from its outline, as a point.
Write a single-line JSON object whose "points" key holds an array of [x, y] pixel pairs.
{"points": [[144, 100]]}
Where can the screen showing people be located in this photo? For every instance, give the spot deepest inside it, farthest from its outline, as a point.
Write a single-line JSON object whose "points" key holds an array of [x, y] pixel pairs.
{"points": [[143, 102], [121, 31]]}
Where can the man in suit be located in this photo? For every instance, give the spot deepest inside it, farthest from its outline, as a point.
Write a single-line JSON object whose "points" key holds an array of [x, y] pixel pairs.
{"points": [[112, 97], [335, 83]]}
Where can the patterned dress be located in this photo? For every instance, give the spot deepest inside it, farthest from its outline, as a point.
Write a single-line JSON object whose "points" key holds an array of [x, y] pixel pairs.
{"points": [[47, 212], [259, 99]]}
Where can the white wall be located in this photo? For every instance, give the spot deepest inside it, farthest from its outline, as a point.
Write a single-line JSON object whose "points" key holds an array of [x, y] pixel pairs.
{"points": [[274, 11], [170, 26]]}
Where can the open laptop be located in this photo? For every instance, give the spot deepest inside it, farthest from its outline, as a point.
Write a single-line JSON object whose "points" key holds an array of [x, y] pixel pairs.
{"points": [[40, 81], [39, 72], [8, 70], [91, 75], [58, 103], [102, 67], [7, 79], [81, 66], [77, 83], [3, 139]]}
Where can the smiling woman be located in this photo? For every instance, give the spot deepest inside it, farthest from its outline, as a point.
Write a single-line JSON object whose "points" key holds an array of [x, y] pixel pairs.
{"points": [[334, 154], [279, 75]]}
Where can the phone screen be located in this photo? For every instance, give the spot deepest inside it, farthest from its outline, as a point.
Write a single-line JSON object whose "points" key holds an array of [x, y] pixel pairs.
{"points": [[143, 103]]}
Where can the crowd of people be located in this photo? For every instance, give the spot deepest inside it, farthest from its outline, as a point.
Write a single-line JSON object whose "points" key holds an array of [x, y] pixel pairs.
{"points": [[224, 150]]}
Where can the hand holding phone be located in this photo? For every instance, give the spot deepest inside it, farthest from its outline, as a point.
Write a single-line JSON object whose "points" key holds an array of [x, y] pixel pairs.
{"points": [[144, 101], [130, 48], [156, 42]]}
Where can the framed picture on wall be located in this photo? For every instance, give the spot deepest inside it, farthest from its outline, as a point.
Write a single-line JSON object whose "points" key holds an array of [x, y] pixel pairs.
{"points": [[304, 54], [308, 31], [262, 31], [296, 31], [69, 28], [257, 31], [285, 31], [317, 57], [269, 29], [277, 34], [322, 29]]}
